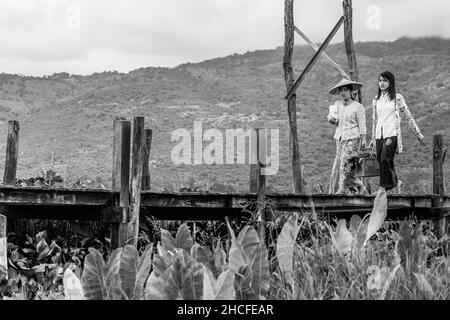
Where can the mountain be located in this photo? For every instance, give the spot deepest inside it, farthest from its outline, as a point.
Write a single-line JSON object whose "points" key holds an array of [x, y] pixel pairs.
{"points": [[66, 120]]}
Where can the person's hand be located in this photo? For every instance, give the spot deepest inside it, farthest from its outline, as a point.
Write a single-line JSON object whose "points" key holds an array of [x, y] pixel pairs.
{"points": [[421, 138], [363, 144], [332, 120]]}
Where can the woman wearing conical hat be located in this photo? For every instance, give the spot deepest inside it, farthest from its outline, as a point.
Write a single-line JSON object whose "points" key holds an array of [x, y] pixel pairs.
{"points": [[350, 135]]}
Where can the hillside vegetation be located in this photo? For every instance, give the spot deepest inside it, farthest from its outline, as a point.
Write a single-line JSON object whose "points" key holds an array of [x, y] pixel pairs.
{"points": [[67, 119]]}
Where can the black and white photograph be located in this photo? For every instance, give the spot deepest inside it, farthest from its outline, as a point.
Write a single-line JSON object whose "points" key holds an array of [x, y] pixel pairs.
{"points": [[224, 155]]}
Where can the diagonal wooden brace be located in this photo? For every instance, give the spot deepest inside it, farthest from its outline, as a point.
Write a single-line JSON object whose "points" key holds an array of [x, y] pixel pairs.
{"points": [[315, 58], [327, 58]]}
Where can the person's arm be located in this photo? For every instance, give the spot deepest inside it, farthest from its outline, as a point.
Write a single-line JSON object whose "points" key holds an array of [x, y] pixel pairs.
{"points": [[361, 118], [406, 114]]}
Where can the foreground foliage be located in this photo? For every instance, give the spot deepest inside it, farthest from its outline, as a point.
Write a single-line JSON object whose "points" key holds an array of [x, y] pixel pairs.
{"points": [[311, 259]]}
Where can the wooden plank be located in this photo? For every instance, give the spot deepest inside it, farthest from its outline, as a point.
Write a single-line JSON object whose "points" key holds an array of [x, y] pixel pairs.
{"points": [[12, 153], [60, 212], [121, 179], [282, 202], [49, 196], [349, 45], [136, 179], [3, 249], [438, 183], [330, 61], [146, 179], [315, 58], [294, 148]]}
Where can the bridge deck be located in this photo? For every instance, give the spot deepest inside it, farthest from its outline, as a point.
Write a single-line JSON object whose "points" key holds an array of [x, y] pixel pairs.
{"points": [[84, 204]]}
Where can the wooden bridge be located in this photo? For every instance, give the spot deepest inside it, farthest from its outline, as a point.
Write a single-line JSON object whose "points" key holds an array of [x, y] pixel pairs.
{"points": [[99, 205], [130, 198]]}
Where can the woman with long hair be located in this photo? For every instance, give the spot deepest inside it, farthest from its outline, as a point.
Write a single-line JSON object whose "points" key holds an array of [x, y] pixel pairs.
{"points": [[388, 107]]}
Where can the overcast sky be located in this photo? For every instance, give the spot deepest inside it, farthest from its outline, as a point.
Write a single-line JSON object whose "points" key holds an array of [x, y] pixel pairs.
{"points": [[41, 37]]}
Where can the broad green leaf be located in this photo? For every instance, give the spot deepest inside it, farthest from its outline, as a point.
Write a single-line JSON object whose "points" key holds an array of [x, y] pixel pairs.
{"points": [[236, 258], [155, 288], [362, 232], [72, 286], [355, 222], [403, 246], [185, 279], [203, 255], [183, 239], [249, 241], [43, 249], [424, 286], [40, 236], [92, 280], [261, 273], [112, 277], [378, 215], [343, 238], [167, 241], [220, 289], [209, 284], [285, 246], [219, 258], [128, 270], [242, 283], [145, 265], [388, 282]]}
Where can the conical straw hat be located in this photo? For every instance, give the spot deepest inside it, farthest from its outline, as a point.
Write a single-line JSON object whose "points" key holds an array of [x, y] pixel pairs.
{"points": [[345, 82]]}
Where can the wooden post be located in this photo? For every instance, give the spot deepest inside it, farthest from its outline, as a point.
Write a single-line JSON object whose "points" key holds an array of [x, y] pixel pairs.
{"points": [[121, 180], [11, 159], [253, 178], [261, 153], [3, 249], [292, 101], [438, 183], [136, 179], [12, 153], [146, 165], [349, 45]]}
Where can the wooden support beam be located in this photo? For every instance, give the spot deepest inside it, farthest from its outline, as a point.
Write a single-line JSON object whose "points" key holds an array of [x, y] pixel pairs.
{"points": [[253, 178], [12, 153], [438, 183], [136, 179], [11, 159], [253, 159], [327, 58], [315, 58], [121, 180], [3, 249], [146, 180], [349, 45], [261, 153], [294, 148]]}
